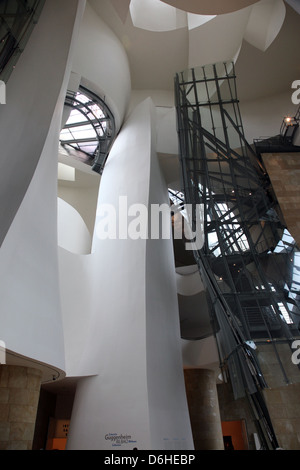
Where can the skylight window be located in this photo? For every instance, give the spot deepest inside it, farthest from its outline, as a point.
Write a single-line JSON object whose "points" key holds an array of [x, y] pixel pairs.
{"points": [[89, 130], [286, 243]]}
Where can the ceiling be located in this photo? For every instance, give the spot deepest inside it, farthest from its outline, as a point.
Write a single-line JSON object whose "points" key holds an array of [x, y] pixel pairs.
{"points": [[210, 7], [268, 73], [155, 57]]}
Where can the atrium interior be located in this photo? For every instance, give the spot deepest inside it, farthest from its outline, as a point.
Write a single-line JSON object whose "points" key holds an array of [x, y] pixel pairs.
{"points": [[149, 208]]}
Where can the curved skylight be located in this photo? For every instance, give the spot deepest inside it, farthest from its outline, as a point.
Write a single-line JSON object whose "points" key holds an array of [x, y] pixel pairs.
{"points": [[89, 130]]}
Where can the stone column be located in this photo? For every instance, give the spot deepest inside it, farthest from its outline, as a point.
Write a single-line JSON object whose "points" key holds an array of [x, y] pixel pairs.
{"points": [[19, 397], [283, 170], [204, 410]]}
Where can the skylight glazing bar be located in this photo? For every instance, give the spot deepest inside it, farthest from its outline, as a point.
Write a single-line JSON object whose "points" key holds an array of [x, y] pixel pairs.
{"points": [[90, 128]]}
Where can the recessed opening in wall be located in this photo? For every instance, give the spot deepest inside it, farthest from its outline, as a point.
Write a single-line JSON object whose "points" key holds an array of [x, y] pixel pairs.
{"points": [[90, 129], [235, 435], [54, 414]]}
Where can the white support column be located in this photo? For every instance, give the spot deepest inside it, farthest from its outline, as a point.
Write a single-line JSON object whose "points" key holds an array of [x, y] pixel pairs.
{"points": [[136, 396]]}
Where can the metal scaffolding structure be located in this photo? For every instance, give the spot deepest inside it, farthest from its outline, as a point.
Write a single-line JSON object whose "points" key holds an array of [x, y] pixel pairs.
{"points": [[247, 260]]}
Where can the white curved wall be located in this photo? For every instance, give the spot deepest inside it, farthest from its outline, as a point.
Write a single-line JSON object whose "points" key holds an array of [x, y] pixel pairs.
{"points": [[154, 15], [210, 7], [188, 280], [78, 298], [102, 63], [219, 45], [134, 348], [167, 137], [202, 354], [73, 234], [265, 22], [33, 91], [30, 314]]}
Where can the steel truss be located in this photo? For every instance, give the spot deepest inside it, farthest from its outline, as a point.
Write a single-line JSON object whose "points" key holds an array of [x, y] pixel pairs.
{"points": [[248, 279]]}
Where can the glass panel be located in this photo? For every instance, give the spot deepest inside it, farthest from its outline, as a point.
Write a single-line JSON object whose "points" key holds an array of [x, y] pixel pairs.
{"points": [[76, 116], [95, 130]]}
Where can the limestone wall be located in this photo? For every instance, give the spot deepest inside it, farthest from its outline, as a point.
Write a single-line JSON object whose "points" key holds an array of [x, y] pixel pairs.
{"points": [[284, 172]]}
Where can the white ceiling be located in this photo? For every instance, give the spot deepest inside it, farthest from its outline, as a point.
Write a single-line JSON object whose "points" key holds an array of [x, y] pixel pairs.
{"points": [[210, 7], [155, 57], [273, 71]]}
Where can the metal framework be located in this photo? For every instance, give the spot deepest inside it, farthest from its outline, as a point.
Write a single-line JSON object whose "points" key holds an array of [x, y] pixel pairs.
{"points": [[90, 129], [17, 20], [283, 142], [247, 257]]}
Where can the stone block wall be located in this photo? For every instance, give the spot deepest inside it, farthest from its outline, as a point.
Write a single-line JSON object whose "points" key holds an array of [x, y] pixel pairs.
{"points": [[284, 172], [19, 396]]}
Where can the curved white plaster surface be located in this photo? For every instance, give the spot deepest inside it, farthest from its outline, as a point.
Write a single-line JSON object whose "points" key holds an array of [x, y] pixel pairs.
{"points": [[213, 37], [167, 137], [44, 65], [200, 354], [102, 63], [211, 43], [194, 21], [122, 8], [154, 15], [73, 234], [77, 298], [134, 341], [188, 280], [210, 7], [265, 22], [31, 321]]}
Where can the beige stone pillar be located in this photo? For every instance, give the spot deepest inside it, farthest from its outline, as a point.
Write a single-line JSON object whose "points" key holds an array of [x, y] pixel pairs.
{"points": [[283, 170], [204, 410], [19, 397]]}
